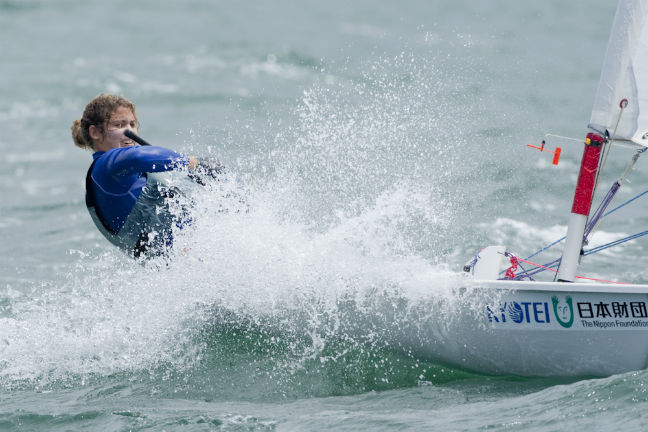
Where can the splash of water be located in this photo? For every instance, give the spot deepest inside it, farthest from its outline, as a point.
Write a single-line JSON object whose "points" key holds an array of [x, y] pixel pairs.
{"points": [[340, 244]]}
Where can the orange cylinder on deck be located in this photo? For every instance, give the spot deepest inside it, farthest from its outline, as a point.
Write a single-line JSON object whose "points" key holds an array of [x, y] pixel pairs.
{"points": [[556, 156]]}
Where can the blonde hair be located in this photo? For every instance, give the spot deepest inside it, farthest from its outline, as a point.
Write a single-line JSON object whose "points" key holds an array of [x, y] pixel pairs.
{"points": [[97, 113]]}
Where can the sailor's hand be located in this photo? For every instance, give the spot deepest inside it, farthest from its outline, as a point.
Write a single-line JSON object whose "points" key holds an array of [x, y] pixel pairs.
{"points": [[209, 166], [201, 167], [193, 163]]}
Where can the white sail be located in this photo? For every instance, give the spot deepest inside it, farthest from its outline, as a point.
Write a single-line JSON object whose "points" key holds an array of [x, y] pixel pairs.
{"points": [[625, 76]]}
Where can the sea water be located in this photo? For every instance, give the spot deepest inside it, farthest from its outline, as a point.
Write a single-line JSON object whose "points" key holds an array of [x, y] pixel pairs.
{"points": [[372, 147]]}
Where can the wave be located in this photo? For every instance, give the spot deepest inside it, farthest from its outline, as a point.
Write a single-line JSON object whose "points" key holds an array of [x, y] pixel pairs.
{"points": [[321, 267]]}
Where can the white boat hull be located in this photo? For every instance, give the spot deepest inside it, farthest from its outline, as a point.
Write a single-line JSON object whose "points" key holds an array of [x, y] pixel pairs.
{"points": [[546, 329], [565, 329]]}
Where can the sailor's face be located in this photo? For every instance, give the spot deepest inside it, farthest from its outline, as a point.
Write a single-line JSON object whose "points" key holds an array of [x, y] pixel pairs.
{"points": [[121, 120]]}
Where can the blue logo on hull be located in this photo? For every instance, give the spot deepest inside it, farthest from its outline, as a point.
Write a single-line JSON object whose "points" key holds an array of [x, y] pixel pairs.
{"points": [[515, 312], [523, 312]]}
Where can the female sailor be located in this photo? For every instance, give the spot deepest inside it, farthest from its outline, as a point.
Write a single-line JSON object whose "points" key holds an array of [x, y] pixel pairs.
{"points": [[125, 196]]}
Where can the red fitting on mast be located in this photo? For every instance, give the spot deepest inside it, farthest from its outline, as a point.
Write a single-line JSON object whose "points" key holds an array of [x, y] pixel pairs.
{"points": [[587, 174]]}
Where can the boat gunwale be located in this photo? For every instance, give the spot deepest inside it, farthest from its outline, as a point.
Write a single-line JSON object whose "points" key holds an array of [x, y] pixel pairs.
{"points": [[563, 287]]}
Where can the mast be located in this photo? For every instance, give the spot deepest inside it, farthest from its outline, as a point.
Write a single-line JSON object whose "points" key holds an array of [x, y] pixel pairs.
{"points": [[580, 207], [624, 76]]}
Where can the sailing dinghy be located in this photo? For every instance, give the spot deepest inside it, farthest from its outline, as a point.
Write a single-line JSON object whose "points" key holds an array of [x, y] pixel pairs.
{"points": [[569, 327]]}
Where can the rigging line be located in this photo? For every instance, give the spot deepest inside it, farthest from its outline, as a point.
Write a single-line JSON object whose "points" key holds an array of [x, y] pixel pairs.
{"points": [[594, 221], [609, 212], [604, 156], [524, 273], [579, 277], [622, 104], [529, 273], [615, 187], [563, 137], [595, 217], [549, 246], [615, 242], [626, 203], [541, 268], [589, 230]]}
